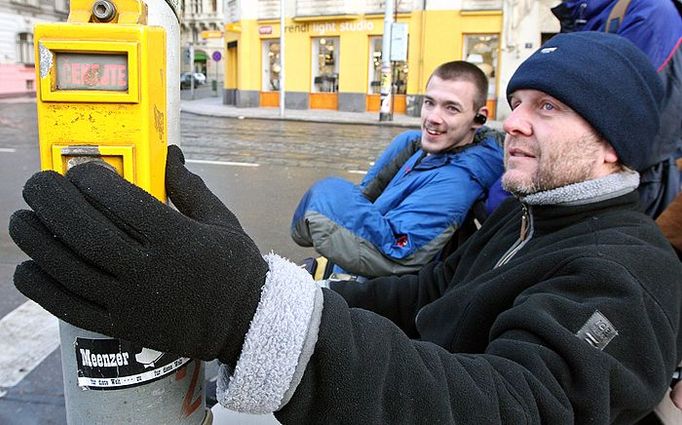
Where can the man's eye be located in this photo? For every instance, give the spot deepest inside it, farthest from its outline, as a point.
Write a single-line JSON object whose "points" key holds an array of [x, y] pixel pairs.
{"points": [[452, 109], [547, 106]]}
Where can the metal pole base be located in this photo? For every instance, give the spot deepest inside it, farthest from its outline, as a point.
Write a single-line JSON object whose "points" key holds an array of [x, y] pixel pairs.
{"points": [[107, 381], [385, 116]]}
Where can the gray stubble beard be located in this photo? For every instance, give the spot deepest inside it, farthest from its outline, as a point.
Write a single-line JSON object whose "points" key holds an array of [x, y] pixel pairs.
{"points": [[561, 168]]}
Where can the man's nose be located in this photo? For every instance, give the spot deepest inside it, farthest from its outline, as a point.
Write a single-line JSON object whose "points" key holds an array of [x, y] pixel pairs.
{"points": [[434, 116], [518, 123]]}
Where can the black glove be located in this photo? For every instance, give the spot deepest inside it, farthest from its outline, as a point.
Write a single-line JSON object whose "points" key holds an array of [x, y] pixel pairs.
{"points": [[110, 258]]}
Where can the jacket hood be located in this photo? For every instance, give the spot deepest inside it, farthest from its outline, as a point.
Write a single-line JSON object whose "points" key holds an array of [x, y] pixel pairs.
{"points": [[572, 14]]}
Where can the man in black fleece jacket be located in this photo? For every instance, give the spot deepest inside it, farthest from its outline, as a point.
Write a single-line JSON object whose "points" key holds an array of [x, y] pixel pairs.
{"points": [[564, 308]]}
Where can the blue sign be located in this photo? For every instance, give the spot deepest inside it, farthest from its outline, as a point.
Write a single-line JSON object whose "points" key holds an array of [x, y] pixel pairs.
{"points": [[216, 56]]}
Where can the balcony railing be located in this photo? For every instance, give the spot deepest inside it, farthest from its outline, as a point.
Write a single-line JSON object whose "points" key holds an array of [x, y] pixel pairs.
{"points": [[379, 6], [481, 4], [326, 7], [268, 9]]}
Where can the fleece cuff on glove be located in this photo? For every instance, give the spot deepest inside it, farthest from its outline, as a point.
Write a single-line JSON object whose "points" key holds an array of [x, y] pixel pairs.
{"points": [[279, 343]]}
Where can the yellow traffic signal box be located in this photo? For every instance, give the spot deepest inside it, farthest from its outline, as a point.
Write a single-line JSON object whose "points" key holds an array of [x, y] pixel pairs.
{"points": [[102, 92]]}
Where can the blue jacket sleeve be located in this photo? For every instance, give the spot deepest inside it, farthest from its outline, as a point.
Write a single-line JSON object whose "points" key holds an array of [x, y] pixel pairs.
{"points": [[399, 143], [406, 227]]}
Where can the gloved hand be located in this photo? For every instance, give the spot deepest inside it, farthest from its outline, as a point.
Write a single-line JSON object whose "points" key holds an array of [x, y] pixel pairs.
{"points": [[108, 257]]}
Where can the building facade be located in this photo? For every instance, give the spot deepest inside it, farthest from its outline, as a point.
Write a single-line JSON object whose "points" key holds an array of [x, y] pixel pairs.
{"points": [[333, 49], [17, 19], [201, 27]]}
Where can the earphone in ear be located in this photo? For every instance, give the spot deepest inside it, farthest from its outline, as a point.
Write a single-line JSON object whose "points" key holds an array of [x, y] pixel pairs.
{"points": [[480, 119]]}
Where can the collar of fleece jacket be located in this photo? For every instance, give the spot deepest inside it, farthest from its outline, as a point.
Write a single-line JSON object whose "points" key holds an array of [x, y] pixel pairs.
{"points": [[587, 192]]}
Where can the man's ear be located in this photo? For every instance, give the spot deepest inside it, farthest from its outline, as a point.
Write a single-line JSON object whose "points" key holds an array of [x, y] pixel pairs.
{"points": [[481, 117], [610, 155]]}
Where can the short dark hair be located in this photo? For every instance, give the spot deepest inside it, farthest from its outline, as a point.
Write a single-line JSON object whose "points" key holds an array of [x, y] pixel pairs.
{"points": [[466, 71]]}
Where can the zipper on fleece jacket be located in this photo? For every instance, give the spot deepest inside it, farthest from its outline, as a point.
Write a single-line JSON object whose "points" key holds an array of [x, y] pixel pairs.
{"points": [[525, 235]]}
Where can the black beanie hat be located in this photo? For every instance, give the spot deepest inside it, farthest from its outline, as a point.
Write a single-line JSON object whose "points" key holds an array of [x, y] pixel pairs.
{"points": [[607, 80]]}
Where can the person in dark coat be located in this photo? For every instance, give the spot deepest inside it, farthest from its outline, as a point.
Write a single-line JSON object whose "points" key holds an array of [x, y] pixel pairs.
{"points": [[655, 27], [564, 308]]}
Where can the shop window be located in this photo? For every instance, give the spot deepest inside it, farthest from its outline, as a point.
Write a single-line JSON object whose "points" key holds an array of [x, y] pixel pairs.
{"points": [[25, 48], [271, 65], [325, 59], [399, 77], [374, 65], [399, 69], [481, 50]]}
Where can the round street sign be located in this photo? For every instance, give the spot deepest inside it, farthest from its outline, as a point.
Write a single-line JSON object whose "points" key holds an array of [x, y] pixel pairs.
{"points": [[216, 56]]}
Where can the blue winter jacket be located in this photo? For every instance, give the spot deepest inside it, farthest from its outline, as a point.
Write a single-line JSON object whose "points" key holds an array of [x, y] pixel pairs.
{"points": [[405, 209], [655, 27]]}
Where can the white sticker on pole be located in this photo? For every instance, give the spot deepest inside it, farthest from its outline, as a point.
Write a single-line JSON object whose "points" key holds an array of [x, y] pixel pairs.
{"points": [[113, 364], [398, 41]]}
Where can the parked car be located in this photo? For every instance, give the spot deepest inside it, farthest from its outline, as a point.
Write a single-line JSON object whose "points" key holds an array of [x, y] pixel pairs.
{"points": [[201, 78], [186, 79]]}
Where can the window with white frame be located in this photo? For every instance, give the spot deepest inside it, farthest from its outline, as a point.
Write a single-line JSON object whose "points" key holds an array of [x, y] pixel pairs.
{"points": [[325, 61], [375, 45], [482, 50], [399, 75], [195, 6], [272, 66], [25, 48]]}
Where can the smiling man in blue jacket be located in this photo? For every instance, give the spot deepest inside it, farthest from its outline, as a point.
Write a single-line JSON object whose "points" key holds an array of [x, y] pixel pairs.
{"points": [[418, 192]]}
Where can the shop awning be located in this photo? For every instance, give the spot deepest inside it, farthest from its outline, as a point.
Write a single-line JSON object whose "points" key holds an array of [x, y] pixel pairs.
{"points": [[200, 56]]}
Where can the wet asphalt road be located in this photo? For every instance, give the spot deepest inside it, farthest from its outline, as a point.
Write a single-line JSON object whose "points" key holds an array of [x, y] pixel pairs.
{"points": [[331, 147], [290, 156]]}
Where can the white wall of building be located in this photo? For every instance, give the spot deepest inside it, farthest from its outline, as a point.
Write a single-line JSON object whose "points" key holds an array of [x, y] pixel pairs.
{"points": [[17, 74], [206, 15], [524, 23]]}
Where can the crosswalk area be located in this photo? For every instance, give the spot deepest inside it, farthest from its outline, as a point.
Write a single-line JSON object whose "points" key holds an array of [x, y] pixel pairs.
{"points": [[31, 393], [27, 336]]}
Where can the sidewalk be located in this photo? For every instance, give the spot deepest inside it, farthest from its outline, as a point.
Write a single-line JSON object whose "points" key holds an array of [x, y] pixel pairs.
{"points": [[213, 106]]}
